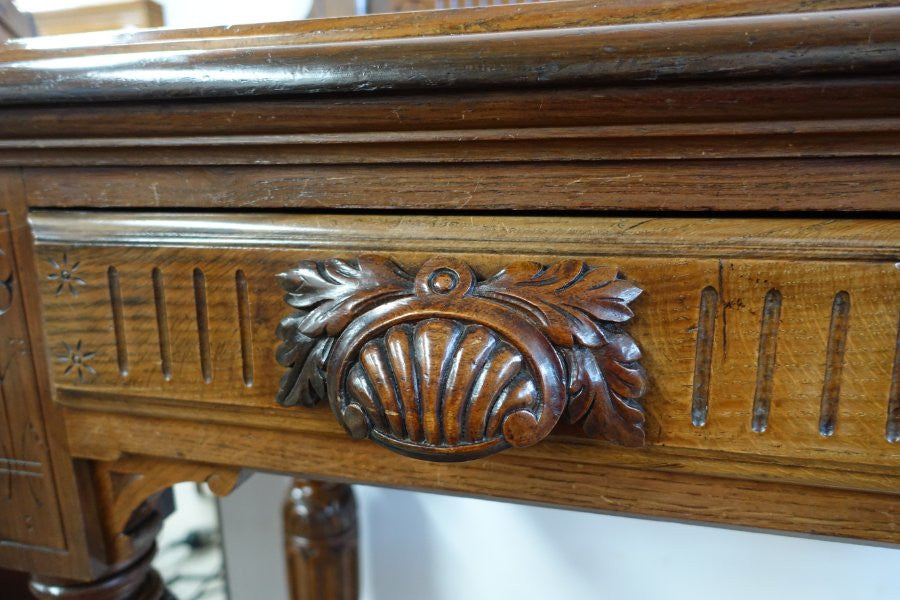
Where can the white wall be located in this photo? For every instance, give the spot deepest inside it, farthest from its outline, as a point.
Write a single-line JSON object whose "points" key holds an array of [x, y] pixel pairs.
{"points": [[200, 13], [203, 13], [423, 546]]}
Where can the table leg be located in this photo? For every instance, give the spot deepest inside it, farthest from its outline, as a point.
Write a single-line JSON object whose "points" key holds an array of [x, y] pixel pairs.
{"points": [[321, 541], [135, 579]]}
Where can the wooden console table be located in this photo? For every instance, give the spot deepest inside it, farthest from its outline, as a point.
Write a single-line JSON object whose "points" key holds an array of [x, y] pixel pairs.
{"points": [[635, 257]]}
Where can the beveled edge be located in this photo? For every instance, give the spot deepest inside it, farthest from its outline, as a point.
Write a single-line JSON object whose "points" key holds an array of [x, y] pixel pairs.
{"points": [[855, 42]]}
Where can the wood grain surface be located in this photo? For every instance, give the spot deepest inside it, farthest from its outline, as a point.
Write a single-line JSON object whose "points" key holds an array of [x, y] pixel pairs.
{"points": [[777, 185], [557, 472], [442, 365], [321, 541], [43, 522], [858, 42], [771, 341], [808, 262], [545, 15], [570, 106]]}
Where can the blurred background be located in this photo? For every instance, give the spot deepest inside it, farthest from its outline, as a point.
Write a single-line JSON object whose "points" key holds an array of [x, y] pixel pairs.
{"points": [[415, 546], [76, 16]]}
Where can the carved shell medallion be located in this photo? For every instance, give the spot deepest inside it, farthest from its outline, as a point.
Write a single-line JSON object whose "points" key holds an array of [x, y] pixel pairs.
{"points": [[439, 387], [447, 368]]}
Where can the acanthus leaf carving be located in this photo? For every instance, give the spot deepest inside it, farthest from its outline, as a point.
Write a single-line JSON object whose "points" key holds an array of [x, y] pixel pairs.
{"points": [[445, 367], [330, 293], [569, 299], [327, 296]]}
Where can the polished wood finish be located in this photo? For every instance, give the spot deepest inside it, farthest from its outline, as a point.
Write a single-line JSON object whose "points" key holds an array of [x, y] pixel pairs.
{"points": [[785, 134], [135, 580], [442, 366], [29, 513], [862, 42], [321, 541], [737, 161]]}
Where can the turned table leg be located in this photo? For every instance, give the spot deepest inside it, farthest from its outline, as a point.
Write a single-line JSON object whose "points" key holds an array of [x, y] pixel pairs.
{"points": [[134, 580], [321, 541]]}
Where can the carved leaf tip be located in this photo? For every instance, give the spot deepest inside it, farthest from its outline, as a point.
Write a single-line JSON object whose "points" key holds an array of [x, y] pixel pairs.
{"points": [[569, 300], [327, 295], [603, 388]]}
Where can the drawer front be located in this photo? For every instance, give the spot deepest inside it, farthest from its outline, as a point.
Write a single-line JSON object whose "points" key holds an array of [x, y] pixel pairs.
{"points": [[774, 340]]}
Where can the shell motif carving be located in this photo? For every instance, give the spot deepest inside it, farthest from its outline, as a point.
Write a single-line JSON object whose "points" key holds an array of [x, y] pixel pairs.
{"points": [[445, 367]]}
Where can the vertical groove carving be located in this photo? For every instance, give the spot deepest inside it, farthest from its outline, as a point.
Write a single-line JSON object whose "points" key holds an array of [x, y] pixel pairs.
{"points": [[834, 362], [892, 428], [162, 323], [706, 328], [115, 301], [765, 365], [321, 541], [202, 324], [243, 307]]}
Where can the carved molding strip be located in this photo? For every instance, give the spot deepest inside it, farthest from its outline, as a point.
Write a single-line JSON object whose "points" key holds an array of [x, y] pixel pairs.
{"points": [[444, 366]]}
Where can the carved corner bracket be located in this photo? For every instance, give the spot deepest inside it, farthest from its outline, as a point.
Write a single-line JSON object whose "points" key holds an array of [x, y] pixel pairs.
{"points": [[444, 366], [129, 492]]}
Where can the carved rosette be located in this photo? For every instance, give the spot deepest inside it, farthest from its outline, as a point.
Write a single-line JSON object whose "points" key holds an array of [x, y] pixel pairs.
{"points": [[445, 367]]}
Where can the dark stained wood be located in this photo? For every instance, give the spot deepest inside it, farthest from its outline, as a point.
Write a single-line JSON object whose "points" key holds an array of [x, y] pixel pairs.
{"points": [[135, 580], [858, 42], [776, 134], [321, 541], [441, 366], [14, 583], [613, 144], [694, 103], [778, 184]]}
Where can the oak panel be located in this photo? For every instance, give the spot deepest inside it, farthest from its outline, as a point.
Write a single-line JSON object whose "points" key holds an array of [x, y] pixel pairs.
{"points": [[562, 477], [29, 514], [808, 262], [852, 184]]}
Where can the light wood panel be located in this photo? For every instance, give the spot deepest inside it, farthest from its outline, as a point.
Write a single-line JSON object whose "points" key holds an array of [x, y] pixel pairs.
{"points": [[808, 262], [566, 476]]}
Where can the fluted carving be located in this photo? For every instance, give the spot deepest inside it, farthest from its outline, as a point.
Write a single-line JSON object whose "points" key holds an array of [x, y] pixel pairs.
{"points": [[321, 541]]}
